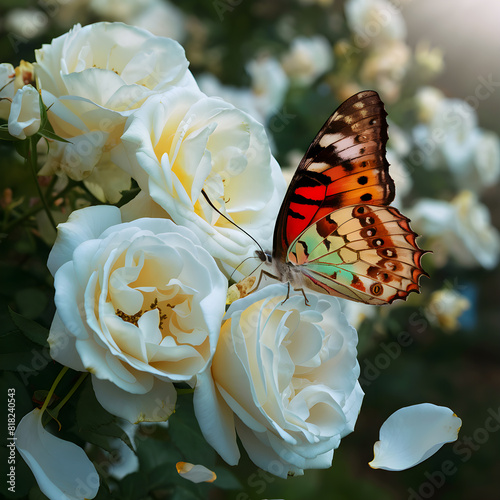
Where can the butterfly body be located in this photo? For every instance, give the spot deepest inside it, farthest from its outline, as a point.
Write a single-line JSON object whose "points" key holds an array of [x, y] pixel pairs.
{"points": [[335, 232]]}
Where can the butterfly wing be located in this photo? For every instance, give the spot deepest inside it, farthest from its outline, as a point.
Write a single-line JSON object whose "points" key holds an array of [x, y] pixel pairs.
{"points": [[344, 165], [364, 253], [335, 222]]}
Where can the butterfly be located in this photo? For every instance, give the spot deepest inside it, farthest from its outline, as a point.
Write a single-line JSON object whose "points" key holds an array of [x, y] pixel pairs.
{"points": [[336, 232]]}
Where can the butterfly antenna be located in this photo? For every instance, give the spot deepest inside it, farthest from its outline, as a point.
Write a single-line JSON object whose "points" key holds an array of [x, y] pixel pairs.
{"points": [[233, 223]]}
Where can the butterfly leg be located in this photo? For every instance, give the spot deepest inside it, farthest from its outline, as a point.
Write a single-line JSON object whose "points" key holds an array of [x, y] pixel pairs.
{"points": [[269, 275], [303, 293]]}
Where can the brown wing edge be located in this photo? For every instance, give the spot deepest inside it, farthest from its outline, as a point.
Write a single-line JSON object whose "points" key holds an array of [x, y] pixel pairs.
{"points": [[347, 105], [411, 237]]}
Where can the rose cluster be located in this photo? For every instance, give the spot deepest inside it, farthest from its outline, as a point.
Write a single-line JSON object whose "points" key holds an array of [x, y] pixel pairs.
{"points": [[140, 290]]}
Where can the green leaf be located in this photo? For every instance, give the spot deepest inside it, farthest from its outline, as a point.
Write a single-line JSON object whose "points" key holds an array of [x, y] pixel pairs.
{"points": [[95, 424], [48, 134], [23, 147], [153, 453], [134, 486], [18, 353], [185, 493], [226, 479], [31, 329], [186, 434]]}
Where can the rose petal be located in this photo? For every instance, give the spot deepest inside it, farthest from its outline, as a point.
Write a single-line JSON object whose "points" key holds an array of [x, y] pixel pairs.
{"points": [[412, 434], [82, 225], [215, 418], [155, 405], [61, 468], [195, 473]]}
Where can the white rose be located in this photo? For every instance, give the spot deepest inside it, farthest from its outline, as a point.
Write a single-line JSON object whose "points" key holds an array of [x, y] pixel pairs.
{"points": [[24, 117], [7, 89], [93, 78], [461, 228], [183, 142], [284, 376], [139, 305], [374, 21], [307, 59]]}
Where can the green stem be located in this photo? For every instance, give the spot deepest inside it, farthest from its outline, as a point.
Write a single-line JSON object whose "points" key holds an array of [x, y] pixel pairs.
{"points": [[33, 161], [53, 388], [82, 377]]}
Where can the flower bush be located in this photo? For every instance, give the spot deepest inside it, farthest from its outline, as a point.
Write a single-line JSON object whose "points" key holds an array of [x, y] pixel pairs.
{"points": [[132, 376]]}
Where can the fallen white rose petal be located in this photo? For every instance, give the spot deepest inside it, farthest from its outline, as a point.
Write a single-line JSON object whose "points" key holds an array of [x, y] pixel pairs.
{"points": [[412, 434], [61, 468], [195, 473]]}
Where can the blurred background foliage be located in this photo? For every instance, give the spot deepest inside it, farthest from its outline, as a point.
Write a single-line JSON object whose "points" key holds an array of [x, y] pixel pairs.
{"points": [[290, 63]]}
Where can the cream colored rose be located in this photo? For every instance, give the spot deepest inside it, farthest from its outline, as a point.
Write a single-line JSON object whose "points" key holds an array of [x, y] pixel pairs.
{"points": [[284, 377], [24, 117], [183, 142], [139, 305], [92, 79]]}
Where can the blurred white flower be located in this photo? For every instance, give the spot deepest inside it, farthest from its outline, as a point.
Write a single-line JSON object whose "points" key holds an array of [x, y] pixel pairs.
{"points": [[427, 100], [240, 97], [413, 434], [374, 21], [11, 80], [285, 377], [401, 176], [183, 142], [7, 89], [429, 60], [385, 67], [160, 17], [139, 305], [445, 307], [307, 59], [93, 78], [269, 84], [486, 161], [24, 118], [25, 23], [461, 228], [450, 138], [61, 468]]}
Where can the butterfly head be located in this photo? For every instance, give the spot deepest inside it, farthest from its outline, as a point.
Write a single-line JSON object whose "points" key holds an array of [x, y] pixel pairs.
{"points": [[264, 256]]}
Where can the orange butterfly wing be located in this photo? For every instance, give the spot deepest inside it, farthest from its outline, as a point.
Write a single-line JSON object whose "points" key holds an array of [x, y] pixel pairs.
{"points": [[345, 168]]}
